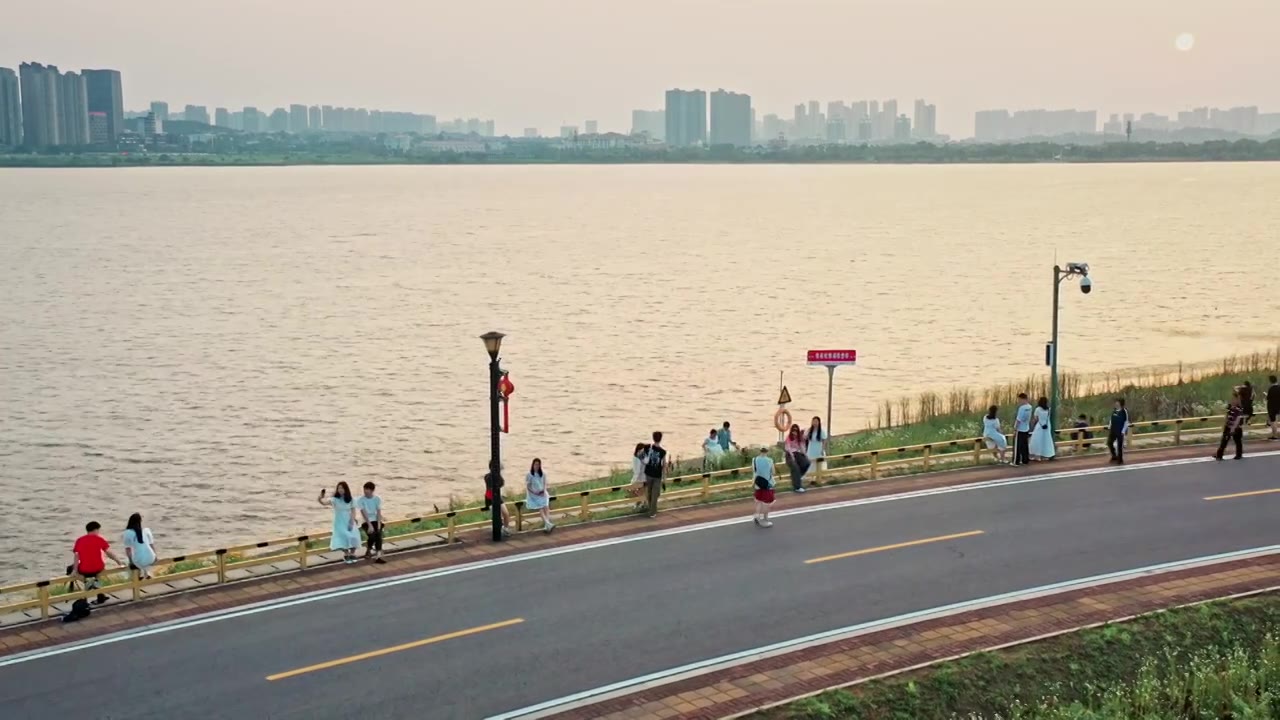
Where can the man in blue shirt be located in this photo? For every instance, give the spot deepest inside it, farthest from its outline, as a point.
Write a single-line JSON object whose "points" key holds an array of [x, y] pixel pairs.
{"points": [[1022, 425], [725, 438], [1116, 430]]}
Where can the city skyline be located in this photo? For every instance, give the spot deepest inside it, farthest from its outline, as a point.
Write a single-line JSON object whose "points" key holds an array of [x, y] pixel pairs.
{"points": [[965, 57]]}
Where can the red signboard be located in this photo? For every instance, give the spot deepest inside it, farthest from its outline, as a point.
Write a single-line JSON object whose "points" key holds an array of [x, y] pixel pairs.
{"points": [[833, 357]]}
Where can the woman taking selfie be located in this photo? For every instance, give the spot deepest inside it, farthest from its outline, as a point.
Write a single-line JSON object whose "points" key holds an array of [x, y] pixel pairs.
{"points": [[346, 536]]}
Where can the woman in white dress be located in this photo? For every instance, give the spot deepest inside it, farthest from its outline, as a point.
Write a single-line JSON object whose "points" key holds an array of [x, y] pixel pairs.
{"points": [[537, 496], [139, 546], [345, 536], [994, 438], [815, 444], [1042, 445]]}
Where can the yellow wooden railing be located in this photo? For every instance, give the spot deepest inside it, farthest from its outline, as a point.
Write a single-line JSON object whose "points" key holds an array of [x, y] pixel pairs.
{"points": [[215, 565]]}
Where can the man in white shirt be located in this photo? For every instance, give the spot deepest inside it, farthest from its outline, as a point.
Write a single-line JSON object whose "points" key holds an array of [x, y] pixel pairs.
{"points": [[1022, 425], [370, 507]]}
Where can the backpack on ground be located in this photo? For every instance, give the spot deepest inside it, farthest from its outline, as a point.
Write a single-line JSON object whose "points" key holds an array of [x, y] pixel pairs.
{"points": [[79, 610]]}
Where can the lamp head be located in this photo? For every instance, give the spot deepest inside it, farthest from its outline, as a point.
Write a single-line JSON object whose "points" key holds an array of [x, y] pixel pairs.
{"points": [[492, 343], [1086, 285]]}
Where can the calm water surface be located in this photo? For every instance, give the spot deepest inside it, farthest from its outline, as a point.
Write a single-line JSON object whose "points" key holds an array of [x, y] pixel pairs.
{"points": [[211, 346]]}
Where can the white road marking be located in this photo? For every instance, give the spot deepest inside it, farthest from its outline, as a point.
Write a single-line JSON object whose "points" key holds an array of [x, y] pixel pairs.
{"points": [[676, 674], [320, 595]]}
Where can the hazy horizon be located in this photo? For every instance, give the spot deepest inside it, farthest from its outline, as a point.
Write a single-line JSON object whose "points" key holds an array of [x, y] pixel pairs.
{"points": [[539, 63]]}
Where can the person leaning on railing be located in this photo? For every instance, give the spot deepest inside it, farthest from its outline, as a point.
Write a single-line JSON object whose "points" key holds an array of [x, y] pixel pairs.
{"points": [[87, 558]]}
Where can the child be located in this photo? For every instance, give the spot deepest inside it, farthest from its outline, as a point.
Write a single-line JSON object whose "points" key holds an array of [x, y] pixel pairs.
{"points": [[370, 507], [1082, 434], [763, 470]]}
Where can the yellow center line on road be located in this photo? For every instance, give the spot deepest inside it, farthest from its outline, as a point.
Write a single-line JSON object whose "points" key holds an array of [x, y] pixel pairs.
{"points": [[395, 649], [1243, 494], [895, 546]]}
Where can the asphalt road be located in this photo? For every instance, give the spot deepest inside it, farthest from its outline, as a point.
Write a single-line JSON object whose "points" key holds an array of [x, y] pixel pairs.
{"points": [[607, 614]]}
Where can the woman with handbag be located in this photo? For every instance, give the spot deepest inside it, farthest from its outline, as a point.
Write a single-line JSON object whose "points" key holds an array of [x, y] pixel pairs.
{"points": [[763, 470], [1042, 445]]}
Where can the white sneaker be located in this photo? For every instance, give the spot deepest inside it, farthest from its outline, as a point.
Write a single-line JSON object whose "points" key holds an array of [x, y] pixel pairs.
{"points": [[767, 523], [800, 489], [548, 527]]}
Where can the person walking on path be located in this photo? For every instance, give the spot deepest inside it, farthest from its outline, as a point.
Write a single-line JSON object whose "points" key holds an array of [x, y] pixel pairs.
{"points": [[139, 546], [726, 438], [762, 467], [87, 558], [1117, 429], [371, 521], [815, 439], [992, 435], [636, 488], [655, 468], [797, 462], [1233, 429], [344, 536], [1042, 445], [1022, 428], [537, 496], [1273, 408]]}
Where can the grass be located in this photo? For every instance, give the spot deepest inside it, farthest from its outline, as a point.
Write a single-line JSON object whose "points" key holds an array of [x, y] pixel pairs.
{"points": [[1220, 660]]}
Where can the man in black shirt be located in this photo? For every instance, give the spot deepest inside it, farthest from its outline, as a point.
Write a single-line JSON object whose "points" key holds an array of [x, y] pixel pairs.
{"points": [[1273, 408], [1116, 430], [1233, 429]]}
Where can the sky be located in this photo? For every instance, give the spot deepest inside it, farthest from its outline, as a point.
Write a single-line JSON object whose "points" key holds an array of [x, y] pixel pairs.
{"points": [[544, 63]]}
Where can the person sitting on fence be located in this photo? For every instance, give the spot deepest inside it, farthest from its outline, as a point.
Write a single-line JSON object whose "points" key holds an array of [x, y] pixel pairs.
{"points": [[370, 507], [713, 451], [993, 436], [1082, 422], [489, 495], [139, 546], [87, 558]]}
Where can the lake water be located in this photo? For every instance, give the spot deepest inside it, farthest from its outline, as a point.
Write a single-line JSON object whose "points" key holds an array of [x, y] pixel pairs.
{"points": [[210, 347]]}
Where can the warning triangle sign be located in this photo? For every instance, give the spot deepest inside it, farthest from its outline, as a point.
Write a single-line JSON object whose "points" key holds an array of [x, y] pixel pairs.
{"points": [[784, 397]]}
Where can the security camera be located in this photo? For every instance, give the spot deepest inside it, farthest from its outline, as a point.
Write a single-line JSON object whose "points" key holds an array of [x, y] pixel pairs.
{"points": [[1086, 285]]}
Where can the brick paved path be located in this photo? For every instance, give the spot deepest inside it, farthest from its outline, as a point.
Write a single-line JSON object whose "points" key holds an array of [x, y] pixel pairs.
{"points": [[474, 547]]}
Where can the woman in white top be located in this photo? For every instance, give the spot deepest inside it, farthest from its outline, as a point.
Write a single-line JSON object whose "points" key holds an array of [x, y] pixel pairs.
{"points": [[815, 443], [991, 434], [712, 450], [345, 535], [537, 496], [139, 546], [637, 471], [1042, 445]]}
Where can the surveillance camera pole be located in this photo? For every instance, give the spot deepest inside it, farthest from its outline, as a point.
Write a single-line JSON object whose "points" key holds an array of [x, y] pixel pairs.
{"points": [[1058, 276]]}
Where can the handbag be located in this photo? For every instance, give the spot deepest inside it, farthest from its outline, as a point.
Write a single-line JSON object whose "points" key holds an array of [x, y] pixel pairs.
{"points": [[761, 483]]}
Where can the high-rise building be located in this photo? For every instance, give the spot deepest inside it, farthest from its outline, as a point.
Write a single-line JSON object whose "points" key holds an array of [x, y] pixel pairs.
{"points": [[99, 130], [73, 109], [249, 120], [888, 119], [686, 112], [650, 122], [531, 132], [40, 94], [10, 109], [730, 118], [106, 96], [925, 121], [866, 130], [314, 121], [592, 127], [771, 128], [161, 110], [327, 117], [236, 120], [222, 118], [568, 132], [902, 128], [298, 122], [196, 114], [279, 120], [836, 131], [991, 125]]}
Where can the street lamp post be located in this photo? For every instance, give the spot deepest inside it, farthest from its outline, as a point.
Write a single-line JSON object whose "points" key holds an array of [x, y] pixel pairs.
{"points": [[1080, 270], [493, 345]]}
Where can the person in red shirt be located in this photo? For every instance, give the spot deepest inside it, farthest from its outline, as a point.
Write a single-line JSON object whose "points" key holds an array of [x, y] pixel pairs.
{"points": [[87, 558]]}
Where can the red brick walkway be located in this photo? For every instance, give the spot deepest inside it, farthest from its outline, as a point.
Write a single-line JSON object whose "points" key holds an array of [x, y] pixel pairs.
{"points": [[763, 683], [474, 547]]}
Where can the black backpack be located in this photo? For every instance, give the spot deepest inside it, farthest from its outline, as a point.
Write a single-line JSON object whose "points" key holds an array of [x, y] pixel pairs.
{"points": [[79, 611]]}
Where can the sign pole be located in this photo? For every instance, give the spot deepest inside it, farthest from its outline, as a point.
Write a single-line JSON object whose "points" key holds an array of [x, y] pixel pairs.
{"points": [[831, 382]]}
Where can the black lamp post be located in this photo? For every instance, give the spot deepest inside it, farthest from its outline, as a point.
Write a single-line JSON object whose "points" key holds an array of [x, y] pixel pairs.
{"points": [[493, 344]]}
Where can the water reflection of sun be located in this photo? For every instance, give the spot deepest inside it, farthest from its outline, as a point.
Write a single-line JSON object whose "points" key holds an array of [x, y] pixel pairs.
{"points": [[1184, 42]]}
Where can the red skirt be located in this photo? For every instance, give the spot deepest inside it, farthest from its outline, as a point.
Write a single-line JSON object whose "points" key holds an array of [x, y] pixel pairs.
{"points": [[765, 496]]}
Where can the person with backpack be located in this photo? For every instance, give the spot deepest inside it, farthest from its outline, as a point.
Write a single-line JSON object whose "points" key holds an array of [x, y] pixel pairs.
{"points": [[763, 468], [655, 468], [1273, 408]]}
